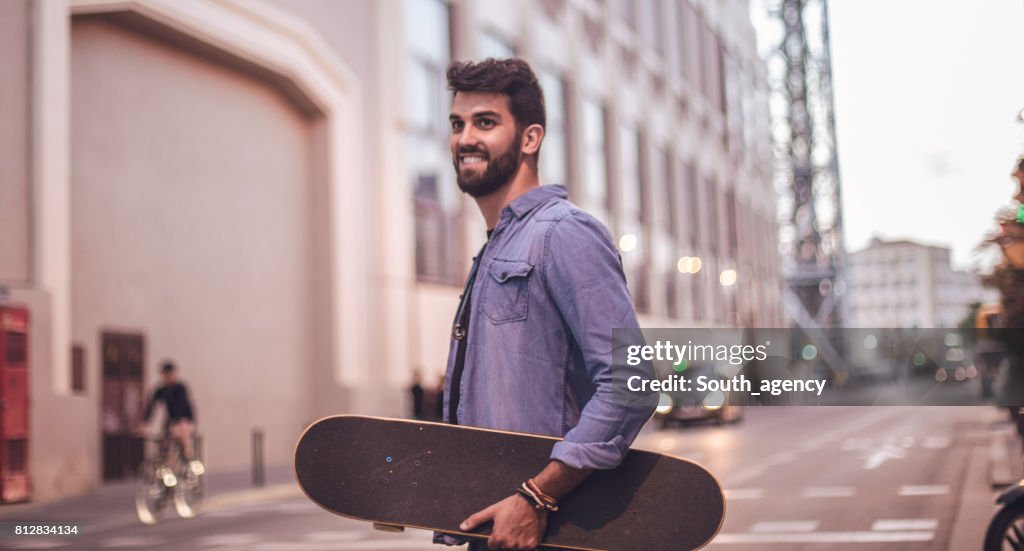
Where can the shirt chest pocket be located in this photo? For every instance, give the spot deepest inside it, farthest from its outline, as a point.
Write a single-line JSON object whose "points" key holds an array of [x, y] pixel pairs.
{"points": [[506, 290]]}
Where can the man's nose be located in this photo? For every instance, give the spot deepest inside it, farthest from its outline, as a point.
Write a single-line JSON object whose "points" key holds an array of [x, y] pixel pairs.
{"points": [[467, 138]]}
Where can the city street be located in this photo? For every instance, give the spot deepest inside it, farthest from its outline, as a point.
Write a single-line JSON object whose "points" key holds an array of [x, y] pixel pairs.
{"points": [[844, 478]]}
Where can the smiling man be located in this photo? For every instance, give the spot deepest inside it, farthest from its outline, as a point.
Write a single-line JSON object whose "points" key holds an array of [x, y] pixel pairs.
{"points": [[531, 345]]}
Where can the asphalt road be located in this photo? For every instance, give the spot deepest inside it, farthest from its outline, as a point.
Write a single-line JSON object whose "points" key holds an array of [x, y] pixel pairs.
{"points": [[796, 478]]}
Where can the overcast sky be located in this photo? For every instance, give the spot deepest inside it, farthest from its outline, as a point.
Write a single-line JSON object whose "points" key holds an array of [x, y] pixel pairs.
{"points": [[926, 95]]}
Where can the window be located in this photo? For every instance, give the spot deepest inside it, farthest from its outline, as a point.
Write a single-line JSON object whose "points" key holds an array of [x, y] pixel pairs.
{"points": [[624, 11], [629, 213], [432, 182], [651, 32], [554, 160], [689, 43], [493, 45]]}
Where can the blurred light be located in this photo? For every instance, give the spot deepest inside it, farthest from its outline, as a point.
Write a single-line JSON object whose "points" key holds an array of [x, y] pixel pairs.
{"points": [[960, 374], [919, 359], [681, 366], [666, 444], [627, 242], [972, 372], [940, 375], [688, 265], [870, 342], [727, 277], [809, 352], [953, 339], [714, 400], [955, 354], [664, 404]]}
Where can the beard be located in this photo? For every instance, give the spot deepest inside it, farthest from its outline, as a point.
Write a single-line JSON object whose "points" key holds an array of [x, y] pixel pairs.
{"points": [[499, 172]]}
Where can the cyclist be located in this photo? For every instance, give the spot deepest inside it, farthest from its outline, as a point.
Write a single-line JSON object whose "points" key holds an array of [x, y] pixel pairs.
{"points": [[180, 422]]}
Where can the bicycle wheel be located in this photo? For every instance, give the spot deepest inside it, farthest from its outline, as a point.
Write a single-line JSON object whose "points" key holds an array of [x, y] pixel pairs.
{"points": [[150, 492], [188, 495], [1006, 531]]}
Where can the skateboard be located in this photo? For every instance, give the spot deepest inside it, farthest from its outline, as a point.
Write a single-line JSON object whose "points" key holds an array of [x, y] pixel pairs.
{"points": [[432, 476]]}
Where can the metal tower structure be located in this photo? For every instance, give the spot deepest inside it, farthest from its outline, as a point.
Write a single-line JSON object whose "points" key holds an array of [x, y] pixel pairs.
{"points": [[807, 169]]}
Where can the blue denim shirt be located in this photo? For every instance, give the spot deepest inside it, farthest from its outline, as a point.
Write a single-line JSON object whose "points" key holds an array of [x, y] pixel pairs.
{"points": [[548, 292]]}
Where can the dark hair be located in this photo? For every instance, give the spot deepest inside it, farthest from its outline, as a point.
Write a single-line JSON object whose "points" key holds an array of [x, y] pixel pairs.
{"points": [[167, 367], [511, 77]]}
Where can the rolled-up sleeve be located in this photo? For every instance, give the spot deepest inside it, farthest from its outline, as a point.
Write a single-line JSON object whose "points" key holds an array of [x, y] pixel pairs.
{"points": [[584, 274]]}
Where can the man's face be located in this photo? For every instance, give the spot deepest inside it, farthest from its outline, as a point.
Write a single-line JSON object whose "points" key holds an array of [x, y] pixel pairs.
{"points": [[484, 142], [169, 377]]}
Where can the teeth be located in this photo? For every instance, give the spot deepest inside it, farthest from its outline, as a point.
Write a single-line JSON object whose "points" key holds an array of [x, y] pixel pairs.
{"points": [[472, 160]]}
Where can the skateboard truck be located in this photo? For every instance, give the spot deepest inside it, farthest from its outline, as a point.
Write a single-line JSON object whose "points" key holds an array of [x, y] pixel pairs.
{"points": [[388, 527]]}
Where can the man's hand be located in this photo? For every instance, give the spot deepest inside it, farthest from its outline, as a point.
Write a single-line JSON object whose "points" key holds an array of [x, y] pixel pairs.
{"points": [[517, 525]]}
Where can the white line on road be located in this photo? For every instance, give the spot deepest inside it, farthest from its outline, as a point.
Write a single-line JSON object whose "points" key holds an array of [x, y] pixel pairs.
{"points": [[347, 535], [937, 442], [133, 542], [829, 491], [744, 493], [895, 525], [341, 546], [824, 537], [40, 544], [228, 540], [935, 490], [782, 526]]}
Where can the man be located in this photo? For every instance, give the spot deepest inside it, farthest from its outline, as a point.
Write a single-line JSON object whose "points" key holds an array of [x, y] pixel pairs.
{"points": [[531, 347], [180, 420]]}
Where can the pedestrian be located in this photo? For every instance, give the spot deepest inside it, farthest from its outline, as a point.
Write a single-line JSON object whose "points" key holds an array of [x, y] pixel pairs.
{"points": [[531, 345], [417, 395]]}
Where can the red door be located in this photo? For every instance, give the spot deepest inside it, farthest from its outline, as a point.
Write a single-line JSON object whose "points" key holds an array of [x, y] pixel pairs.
{"points": [[14, 482]]}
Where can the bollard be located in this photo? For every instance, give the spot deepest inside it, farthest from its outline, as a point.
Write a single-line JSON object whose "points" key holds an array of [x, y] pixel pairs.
{"points": [[257, 457], [197, 446]]}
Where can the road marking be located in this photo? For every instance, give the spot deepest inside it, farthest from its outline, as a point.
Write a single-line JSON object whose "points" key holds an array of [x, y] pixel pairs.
{"points": [[895, 525], [341, 546], [884, 454], [935, 490], [829, 491], [744, 493], [347, 535], [134, 542], [824, 537], [782, 526], [937, 442], [228, 540], [40, 544]]}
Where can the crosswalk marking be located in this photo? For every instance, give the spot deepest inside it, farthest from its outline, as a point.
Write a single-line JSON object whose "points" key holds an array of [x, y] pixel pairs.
{"points": [[824, 537], [776, 526], [829, 491], [925, 490], [364, 545], [228, 539], [744, 493], [885, 525]]}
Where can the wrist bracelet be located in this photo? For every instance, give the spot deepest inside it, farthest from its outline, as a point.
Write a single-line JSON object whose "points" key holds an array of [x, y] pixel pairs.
{"points": [[538, 502]]}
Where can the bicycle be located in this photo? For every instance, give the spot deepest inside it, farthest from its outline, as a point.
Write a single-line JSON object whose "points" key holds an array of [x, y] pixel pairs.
{"points": [[167, 477]]}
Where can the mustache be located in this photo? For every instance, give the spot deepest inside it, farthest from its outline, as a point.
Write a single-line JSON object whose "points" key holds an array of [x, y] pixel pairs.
{"points": [[469, 150]]}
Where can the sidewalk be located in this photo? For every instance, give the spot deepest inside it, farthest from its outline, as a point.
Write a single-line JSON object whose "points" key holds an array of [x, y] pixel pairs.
{"points": [[112, 505], [994, 464]]}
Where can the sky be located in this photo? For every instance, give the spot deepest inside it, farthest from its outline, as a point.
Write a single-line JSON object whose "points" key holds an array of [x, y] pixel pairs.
{"points": [[926, 96]]}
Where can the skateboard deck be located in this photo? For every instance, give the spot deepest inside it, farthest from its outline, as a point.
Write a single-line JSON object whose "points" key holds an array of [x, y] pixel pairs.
{"points": [[433, 476]]}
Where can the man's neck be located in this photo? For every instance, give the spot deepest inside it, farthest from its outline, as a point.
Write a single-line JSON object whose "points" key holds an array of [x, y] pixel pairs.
{"points": [[491, 205]]}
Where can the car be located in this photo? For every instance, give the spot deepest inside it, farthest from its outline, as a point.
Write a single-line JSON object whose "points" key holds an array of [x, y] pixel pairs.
{"points": [[696, 405]]}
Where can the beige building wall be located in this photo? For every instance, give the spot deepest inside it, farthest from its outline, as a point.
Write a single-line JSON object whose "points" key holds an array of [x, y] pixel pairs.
{"points": [[14, 161], [193, 217]]}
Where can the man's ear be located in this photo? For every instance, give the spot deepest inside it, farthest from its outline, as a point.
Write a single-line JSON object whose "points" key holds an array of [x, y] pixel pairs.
{"points": [[533, 135]]}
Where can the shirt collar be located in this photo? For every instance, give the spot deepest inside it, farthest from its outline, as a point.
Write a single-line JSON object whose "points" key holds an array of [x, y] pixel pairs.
{"points": [[535, 197]]}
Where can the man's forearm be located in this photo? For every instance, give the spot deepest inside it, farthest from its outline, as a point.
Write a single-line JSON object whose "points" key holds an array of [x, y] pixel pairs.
{"points": [[558, 479]]}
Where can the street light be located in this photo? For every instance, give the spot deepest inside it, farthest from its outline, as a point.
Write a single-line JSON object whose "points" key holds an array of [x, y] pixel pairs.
{"points": [[627, 242], [689, 265], [727, 278]]}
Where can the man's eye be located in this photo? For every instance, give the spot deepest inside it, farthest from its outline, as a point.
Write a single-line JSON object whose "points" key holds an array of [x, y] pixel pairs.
{"points": [[456, 125], [485, 123]]}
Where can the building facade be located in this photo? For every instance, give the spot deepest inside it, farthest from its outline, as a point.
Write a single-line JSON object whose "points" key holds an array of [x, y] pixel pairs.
{"points": [[261, 191], [902, 284]]}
